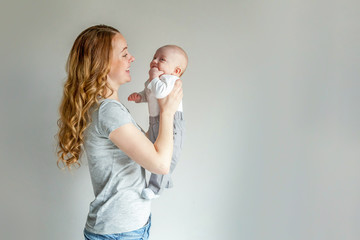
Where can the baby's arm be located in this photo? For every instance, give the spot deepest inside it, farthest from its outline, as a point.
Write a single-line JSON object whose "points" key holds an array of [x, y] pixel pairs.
{"points": [[136, 97], [162, 87], [154, 73], [143, 96]]}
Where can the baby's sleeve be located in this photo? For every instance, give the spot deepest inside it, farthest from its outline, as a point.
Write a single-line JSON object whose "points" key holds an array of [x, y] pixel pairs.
{"points": [[143, 96], [161, 87], [111, 117]]}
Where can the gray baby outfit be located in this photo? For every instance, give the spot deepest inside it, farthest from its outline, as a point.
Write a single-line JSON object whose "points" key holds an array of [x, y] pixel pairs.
{"points": [[117, 180], [159, 88], [158, 182]]}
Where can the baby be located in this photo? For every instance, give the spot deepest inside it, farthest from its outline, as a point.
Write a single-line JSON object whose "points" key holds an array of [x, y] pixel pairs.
{"points": [[168, 64]]}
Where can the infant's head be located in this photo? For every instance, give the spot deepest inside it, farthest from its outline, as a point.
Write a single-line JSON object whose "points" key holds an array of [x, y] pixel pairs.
{"points": [[170, 59]]}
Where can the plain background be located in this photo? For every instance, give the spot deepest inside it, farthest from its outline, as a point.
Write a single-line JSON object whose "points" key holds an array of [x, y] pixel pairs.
{"points": [[271, 101]]}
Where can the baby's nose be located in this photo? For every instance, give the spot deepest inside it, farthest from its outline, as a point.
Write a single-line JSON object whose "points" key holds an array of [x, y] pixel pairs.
{"points": [[153, 63]]}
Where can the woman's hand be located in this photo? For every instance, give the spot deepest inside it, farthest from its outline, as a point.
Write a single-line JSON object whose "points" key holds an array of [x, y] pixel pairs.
{"points": [[170, 103]]}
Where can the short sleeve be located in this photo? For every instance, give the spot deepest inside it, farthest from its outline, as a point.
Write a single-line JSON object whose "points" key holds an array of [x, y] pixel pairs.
{"points": [[111, 117]]}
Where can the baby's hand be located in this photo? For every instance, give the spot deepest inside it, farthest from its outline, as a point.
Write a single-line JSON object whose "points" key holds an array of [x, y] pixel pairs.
{"points": [[135, 97], [154, 73]]}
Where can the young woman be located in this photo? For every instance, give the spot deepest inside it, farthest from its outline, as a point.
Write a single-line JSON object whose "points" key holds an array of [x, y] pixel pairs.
{"points": [[92, 117]]}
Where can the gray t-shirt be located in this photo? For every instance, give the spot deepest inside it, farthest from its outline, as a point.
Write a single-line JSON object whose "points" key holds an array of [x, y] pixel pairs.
{"points": [[117, 180]]}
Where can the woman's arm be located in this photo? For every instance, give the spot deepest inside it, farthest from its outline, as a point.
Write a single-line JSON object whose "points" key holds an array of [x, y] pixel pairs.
{"points": [[154, 157]]}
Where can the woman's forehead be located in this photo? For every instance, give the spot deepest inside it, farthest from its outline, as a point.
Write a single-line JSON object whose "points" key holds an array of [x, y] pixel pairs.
{"points": [[119, 42]]}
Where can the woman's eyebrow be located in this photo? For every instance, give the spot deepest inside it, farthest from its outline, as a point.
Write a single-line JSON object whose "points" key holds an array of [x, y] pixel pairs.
{"points": [[124, 49]]}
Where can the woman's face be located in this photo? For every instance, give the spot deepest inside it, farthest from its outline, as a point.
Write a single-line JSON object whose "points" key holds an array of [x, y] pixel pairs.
{"points": [[120, 62]]}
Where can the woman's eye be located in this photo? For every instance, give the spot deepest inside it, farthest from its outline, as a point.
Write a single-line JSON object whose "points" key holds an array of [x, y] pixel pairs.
{"points": [[125, 55], [162, 59]]}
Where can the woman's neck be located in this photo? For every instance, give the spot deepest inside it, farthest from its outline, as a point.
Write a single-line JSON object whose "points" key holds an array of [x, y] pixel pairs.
{"points": [[114, 95], [115, 89]]}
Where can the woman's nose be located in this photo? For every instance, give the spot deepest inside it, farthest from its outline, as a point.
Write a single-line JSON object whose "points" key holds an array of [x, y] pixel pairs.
{"points": [[132, 58]]}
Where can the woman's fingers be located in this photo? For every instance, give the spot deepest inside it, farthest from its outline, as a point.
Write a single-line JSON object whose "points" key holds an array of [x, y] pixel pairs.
{"points": [[171, 102], [178, 92], [178, 84], [177, 88]]}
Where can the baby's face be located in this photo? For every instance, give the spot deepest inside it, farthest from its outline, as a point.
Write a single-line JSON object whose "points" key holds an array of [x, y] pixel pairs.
{"points": [[166, 60]]}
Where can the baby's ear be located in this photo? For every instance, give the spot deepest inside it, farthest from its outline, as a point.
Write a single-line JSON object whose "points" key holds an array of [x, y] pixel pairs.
{"points": [[178, 70]]}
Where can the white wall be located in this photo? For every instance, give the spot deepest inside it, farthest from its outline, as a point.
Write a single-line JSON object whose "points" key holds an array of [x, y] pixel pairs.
{"points": [[272, 97]]}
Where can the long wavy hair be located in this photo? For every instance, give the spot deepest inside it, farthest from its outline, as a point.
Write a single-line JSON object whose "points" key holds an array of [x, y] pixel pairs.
{"points": [[87, 67]]}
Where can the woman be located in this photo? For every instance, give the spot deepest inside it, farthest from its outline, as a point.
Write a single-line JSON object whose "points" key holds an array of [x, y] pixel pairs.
{"points": [[117, 150]]}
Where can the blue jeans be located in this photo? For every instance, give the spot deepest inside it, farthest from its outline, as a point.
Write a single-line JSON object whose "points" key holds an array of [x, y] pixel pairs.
{"points": [[139, 234]]}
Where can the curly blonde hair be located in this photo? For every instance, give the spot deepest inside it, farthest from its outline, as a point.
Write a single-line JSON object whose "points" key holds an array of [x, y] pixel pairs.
{"points": [[87, 67]]}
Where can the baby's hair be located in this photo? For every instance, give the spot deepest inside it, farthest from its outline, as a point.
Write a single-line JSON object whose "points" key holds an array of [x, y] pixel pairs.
{"points": [[182, 53]]}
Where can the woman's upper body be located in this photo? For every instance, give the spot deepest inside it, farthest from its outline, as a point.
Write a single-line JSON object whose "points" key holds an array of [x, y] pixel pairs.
{"points": [[116, 148], [117, 180]]}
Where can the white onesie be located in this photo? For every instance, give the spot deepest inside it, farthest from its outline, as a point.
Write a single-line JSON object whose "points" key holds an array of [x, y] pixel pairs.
{"points": [[159, 87]]}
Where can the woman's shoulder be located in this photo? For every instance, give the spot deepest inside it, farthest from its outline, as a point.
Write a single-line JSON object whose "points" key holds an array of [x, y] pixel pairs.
{"points": [[112, 104], [107, 101], [111, 115]]}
